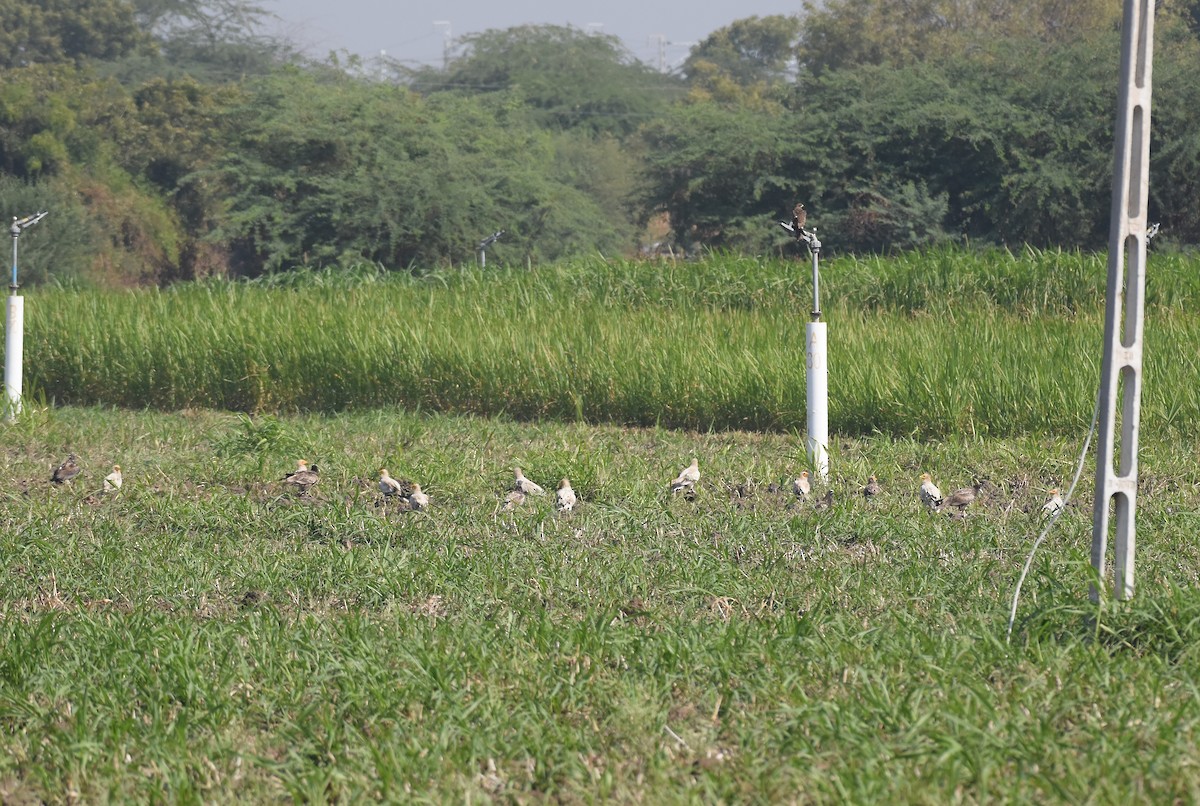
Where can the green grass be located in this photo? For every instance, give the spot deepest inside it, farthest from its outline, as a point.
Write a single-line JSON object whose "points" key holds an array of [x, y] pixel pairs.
{"points": [[203, 636], [923, 345]]}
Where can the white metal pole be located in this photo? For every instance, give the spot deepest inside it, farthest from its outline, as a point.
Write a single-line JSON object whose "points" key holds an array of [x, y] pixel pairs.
{"points": [[818, 397], [1123, 325], [14, 343]]}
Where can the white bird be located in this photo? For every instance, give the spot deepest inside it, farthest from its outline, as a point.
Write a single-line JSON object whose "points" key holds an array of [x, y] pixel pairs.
{"points": [[389, 486], [113, 480], [930, 495], [417, 499], [524, 485], [687, 477], [1055, 504], [564, 498], [802, 486]]}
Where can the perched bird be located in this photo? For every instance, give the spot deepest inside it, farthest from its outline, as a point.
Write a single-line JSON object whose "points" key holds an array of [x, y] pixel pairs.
{"points": [[113, 480], [687, 478], [513, 500], [802, 487], [303, 477], [826, 502], [68, 470], [799, 217], [564, 498], [524, 485], [963, 496], [417, 499], [872, 489], [390, 486], [1054, 505], [930, 495]]}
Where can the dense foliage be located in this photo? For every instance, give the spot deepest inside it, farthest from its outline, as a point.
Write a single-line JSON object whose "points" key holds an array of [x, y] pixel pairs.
{"points": [[171, 140]]}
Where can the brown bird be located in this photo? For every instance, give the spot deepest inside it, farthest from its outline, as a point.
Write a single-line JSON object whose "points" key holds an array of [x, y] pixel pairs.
{"points": [[799, 217], [114, 479], [872, 489], [513, 500], [564, 498], [68, 470], [303, 477], [390, 486], [824, 503], [802, 487], [963, 496]]}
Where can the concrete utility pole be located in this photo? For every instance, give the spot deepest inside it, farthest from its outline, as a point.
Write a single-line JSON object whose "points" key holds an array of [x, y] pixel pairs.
{"points": [[1116, 486]]}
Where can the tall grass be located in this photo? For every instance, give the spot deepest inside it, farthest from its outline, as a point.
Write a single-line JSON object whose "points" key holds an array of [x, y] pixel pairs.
{"points": [[931, 343]]}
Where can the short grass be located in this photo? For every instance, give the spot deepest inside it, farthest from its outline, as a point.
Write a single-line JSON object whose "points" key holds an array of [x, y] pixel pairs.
{"points": [[204, 636]]}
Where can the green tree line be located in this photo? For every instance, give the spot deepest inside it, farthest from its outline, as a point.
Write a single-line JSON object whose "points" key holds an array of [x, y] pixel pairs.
{"points": [[172, 139]]}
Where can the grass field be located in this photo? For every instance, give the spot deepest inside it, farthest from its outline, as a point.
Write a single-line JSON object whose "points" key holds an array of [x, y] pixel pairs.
{"points": [[928, 345], [204, 636]]}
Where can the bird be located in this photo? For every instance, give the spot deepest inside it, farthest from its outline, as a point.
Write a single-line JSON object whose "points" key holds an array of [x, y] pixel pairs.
{"points": [[113, 480], [513, 500], [417, 499], [872, 488], [930, 495], [564, 498], [390, 486], [963, 496], [802, 487], [68, 470], [826, 502], [1055, 504], [303, 477], [524, 485], [799, 217], [687, 478]]}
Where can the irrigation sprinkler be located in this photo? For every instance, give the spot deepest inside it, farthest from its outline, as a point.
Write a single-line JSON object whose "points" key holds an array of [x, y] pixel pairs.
{"points": [[485, 243], [1116, 486], [14, 326], [816, 362]]}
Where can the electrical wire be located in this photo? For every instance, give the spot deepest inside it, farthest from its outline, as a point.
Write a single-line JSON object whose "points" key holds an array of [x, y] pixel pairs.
{"points": [[1012, 616]]}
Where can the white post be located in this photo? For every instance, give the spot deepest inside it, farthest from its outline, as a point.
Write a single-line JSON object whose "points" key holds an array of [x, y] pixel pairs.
{"points": [[1121, 373], [14, 344], [818, 397]]}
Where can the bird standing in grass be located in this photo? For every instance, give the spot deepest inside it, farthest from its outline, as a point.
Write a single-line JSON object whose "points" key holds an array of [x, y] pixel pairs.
{"points": [[1054, 505], [963, 497], [825, 503], [802, 487], [687, 478], [872, 488], [514, 499], [390, 486], [930, 495], [417, 499], [524, 485], [302, 477], [114, 479], [68, 470], [564, 497]]}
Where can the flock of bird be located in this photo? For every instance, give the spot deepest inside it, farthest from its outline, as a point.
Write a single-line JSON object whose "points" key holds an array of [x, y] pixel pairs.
{"points": [[410, 495]]}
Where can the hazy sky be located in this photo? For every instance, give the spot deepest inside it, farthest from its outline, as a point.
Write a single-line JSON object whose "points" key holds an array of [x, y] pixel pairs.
{"points": [[407, 31]]}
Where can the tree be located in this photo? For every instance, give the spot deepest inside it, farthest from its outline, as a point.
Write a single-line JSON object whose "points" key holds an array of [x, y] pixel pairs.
{"points": [[748, 56], [52, 31], [571, 79]]}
